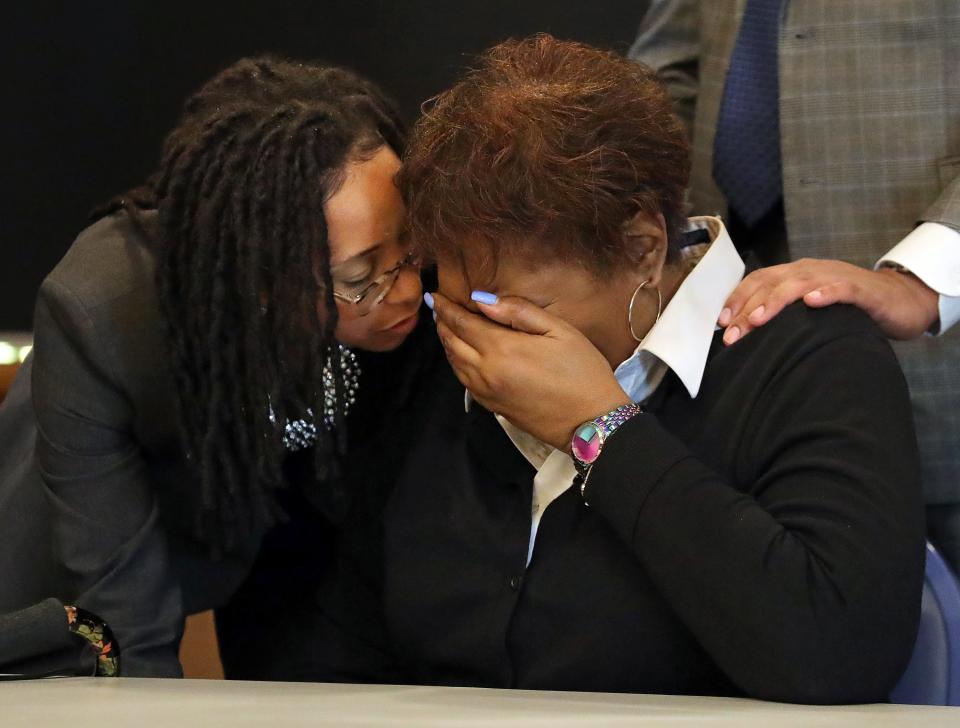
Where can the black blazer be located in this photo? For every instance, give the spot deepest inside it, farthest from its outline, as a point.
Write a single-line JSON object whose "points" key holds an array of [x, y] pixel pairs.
{"points": [[96, 496]]}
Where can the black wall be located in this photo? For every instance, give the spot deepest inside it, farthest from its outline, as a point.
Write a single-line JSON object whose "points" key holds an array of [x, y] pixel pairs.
{"points": [[90, 91]]}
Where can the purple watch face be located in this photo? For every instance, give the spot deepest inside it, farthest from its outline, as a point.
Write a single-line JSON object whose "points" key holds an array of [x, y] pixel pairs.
{"points": [[586, 443]]}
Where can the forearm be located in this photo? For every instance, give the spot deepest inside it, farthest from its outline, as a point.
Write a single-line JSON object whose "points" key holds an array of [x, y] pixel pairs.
{"points": [[111, 548], [796, 556], [930, 256], [113, 554], [136, 593], [788, 605]]}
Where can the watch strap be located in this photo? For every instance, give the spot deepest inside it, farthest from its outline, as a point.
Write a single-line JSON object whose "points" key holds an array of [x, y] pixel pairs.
{"points": [[590, 437]]}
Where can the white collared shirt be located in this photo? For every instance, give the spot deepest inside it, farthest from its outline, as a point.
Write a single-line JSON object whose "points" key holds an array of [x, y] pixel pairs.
{"points": [[680, 340]]}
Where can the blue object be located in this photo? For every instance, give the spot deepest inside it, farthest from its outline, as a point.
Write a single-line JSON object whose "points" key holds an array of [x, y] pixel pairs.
{"points": [[483, 297], [933, 675], [746, 154]]}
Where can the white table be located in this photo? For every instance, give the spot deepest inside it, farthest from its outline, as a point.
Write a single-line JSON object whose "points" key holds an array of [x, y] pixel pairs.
{"points": [[119, 703]]}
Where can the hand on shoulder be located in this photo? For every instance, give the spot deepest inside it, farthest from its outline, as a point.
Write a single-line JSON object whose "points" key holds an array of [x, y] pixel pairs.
{"points": [[899, 302]]}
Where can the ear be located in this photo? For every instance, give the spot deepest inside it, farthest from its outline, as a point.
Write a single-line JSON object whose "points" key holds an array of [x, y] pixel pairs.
{"points": [[645, 235]]}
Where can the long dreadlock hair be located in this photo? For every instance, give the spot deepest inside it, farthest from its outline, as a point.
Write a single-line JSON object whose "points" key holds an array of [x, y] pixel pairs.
{"points": [[243, 274]]}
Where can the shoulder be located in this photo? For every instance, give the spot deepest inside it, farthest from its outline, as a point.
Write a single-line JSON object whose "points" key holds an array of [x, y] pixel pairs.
{"points": [[98, 307], [110, 262], [835, 344], [798, 330], [811, 375]]}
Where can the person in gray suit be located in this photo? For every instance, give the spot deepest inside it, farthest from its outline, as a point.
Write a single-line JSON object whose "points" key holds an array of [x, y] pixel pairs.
{"points": [[828, 133], [184, 413]]}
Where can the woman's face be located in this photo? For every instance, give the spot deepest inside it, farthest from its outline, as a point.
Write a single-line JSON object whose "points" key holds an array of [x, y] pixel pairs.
{"points": [[366, 227], [568, 291], [594, 304]]}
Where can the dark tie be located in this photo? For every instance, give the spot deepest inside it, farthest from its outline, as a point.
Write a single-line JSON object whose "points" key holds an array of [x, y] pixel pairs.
{"points": [[746, 162]]}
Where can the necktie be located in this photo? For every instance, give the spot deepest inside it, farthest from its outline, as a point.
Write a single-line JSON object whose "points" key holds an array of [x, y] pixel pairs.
{"points": [[746, 163]]}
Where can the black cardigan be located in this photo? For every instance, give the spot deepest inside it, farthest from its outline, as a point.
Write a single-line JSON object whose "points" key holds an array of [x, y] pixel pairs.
{"points": [[763, 539]]}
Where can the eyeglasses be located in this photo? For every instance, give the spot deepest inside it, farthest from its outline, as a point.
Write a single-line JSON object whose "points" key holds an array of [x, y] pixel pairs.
{"points": [[380, 287]]}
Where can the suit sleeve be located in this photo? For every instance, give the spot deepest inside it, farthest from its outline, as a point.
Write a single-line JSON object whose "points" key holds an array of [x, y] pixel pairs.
{"points": [[668, 41], [107, 537], [945, 211], [803, 579], [946, 208]]}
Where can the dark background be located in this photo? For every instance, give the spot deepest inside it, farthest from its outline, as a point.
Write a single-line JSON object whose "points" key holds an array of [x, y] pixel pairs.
{"points": [[89, 92]]}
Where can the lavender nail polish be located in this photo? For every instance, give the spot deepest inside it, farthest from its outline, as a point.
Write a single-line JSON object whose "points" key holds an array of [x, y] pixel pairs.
{"points": [[484, 297], [428, 299]]}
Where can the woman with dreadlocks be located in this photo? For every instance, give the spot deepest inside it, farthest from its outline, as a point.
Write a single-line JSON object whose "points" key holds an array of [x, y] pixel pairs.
{"points": [[218, 360]]}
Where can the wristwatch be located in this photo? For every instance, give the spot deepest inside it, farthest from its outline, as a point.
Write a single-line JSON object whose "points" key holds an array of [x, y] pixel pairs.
{"points": [[589, 438]]}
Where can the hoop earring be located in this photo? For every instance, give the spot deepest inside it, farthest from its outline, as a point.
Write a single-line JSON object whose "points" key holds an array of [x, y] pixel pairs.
{"points": [[633, 299]]}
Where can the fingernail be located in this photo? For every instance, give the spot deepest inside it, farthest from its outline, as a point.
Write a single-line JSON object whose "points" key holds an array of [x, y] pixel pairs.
{"points": [[757, 314], [814, 296], [428, 299], [725, 315], [731, 335], [484, 297]]}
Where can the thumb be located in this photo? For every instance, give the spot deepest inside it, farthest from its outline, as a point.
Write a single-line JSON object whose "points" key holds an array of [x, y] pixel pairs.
{"points": [[517, 313]]}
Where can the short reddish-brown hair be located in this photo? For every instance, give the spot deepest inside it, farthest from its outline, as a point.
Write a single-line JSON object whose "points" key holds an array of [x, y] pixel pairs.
{"points": [[547, 148]]}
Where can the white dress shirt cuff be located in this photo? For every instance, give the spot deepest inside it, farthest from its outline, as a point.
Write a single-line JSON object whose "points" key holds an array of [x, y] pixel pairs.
{"points": [[932, 253]]}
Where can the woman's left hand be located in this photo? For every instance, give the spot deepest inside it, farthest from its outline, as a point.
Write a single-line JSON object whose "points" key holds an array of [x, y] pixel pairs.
{"points": [[533, 368]]}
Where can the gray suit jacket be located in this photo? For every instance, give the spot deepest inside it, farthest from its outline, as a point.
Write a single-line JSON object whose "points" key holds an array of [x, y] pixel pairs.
{"points": [[870, 139], [95, 493]]}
